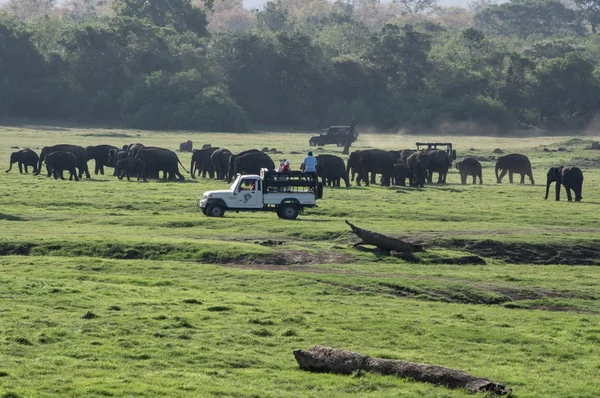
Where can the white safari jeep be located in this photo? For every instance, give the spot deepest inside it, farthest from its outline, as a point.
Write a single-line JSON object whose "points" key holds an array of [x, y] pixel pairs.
{"points": [[287, 194]]}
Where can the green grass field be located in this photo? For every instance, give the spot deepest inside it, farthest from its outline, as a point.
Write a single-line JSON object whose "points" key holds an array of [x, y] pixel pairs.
{"points": [[110, 288]]}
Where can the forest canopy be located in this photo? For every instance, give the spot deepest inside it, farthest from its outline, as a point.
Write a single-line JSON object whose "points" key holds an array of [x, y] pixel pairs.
{"points": [[215, 66]]}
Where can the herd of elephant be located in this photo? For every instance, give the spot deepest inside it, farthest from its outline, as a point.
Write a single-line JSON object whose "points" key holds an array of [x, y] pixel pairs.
{"points": [[134, 160], [394, 167], [417, 167]]}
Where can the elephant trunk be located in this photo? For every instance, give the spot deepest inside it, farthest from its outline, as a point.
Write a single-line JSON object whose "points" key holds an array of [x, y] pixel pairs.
{"points": [[497, 169], [42, 157], [548, 187]]}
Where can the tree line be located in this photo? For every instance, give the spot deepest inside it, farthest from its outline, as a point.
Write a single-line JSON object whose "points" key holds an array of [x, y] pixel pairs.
{"points": [[215, 66]]}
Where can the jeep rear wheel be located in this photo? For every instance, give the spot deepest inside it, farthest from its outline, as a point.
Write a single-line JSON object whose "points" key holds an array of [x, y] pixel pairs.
{"points": [[288, 211], [341, 143], [215, 211]]}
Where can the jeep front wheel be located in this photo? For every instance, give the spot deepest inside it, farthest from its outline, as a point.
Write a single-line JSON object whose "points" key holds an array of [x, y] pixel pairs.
{"points": [[341, 143], [288, 211], [215, 211], [312, 143]]}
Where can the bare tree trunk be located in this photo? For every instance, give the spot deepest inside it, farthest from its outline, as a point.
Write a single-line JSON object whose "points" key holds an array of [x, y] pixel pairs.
{"points": [[383, 242], [349, 137], [333, 360]]}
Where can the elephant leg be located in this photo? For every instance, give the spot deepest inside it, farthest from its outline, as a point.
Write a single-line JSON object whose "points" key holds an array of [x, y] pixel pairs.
{"points": [[179, 175], [85, 170], [569, 197], [501, 176], [557, 191], [101, 169], [20, 168], [373, 178], [474, 179], [510, 177], [530, 175], [523, 178], [128, 176], [26, 169], [577, 193], [61, 174]]}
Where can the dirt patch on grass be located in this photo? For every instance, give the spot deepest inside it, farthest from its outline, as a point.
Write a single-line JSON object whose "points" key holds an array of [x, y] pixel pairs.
{"points": [[207, 254], [526, 253]]}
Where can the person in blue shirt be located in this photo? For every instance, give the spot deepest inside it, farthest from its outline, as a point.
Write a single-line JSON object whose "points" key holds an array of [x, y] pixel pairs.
{"points": [[310, 163]]}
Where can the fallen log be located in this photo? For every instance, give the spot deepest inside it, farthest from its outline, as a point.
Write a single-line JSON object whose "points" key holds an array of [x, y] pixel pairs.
{"points": [[333, 360], [383, 242]]}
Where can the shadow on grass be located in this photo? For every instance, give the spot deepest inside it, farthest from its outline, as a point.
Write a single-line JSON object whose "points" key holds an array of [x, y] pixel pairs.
{"points": [[8, 217]]}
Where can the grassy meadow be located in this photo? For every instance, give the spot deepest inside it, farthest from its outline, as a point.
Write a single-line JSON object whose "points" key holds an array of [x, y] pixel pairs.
{"points": [[116, 288]]}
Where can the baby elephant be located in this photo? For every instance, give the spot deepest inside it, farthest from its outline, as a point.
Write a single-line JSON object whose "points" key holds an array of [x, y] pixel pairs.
{"points": [[131, 167], [25, 157], [58, 162], [469, 167], [570, 177]]}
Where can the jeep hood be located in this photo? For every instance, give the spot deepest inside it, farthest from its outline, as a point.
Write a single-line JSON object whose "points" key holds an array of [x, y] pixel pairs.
{"points": [[218, 193]]}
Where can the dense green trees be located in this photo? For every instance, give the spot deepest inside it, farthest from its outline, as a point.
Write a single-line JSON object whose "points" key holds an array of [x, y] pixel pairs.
{"points": [[407, 64]]}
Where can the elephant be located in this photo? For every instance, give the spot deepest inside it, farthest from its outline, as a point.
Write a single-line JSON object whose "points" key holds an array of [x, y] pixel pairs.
{"points": [[76, 150], [114, 155], [352, 166], [252, 163], [375, 161], [403, 155], [220, 161], [202, 163], [59, 161], [160, 159], [469, 167], [231, 162], [401, 173], [438, 162], [133, 149], [186, 146], [514, 163], [569, 176], [24, 157], [331, 169], [100, 155], [418, 163], [131, 167]]}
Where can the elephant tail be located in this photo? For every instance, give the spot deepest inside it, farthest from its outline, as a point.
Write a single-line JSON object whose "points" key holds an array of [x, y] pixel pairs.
{"points": [[182, 166]]}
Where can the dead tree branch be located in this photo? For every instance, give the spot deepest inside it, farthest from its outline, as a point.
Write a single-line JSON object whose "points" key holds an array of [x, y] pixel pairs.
{"points": [[332, 360], [383, 242]]}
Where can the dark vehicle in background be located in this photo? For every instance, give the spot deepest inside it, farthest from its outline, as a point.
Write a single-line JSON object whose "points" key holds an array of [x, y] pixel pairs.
{"points": [[422, 146], [333, 135]]}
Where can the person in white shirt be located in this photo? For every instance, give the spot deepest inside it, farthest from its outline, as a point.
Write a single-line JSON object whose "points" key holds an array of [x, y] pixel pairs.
{"points": [[310, 163]]}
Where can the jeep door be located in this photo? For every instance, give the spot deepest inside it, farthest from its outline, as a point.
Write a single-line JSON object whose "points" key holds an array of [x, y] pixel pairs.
{"points": [[249, 193]]}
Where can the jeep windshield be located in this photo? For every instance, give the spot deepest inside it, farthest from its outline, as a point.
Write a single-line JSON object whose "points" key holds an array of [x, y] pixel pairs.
{"points": [[235, 183]]}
